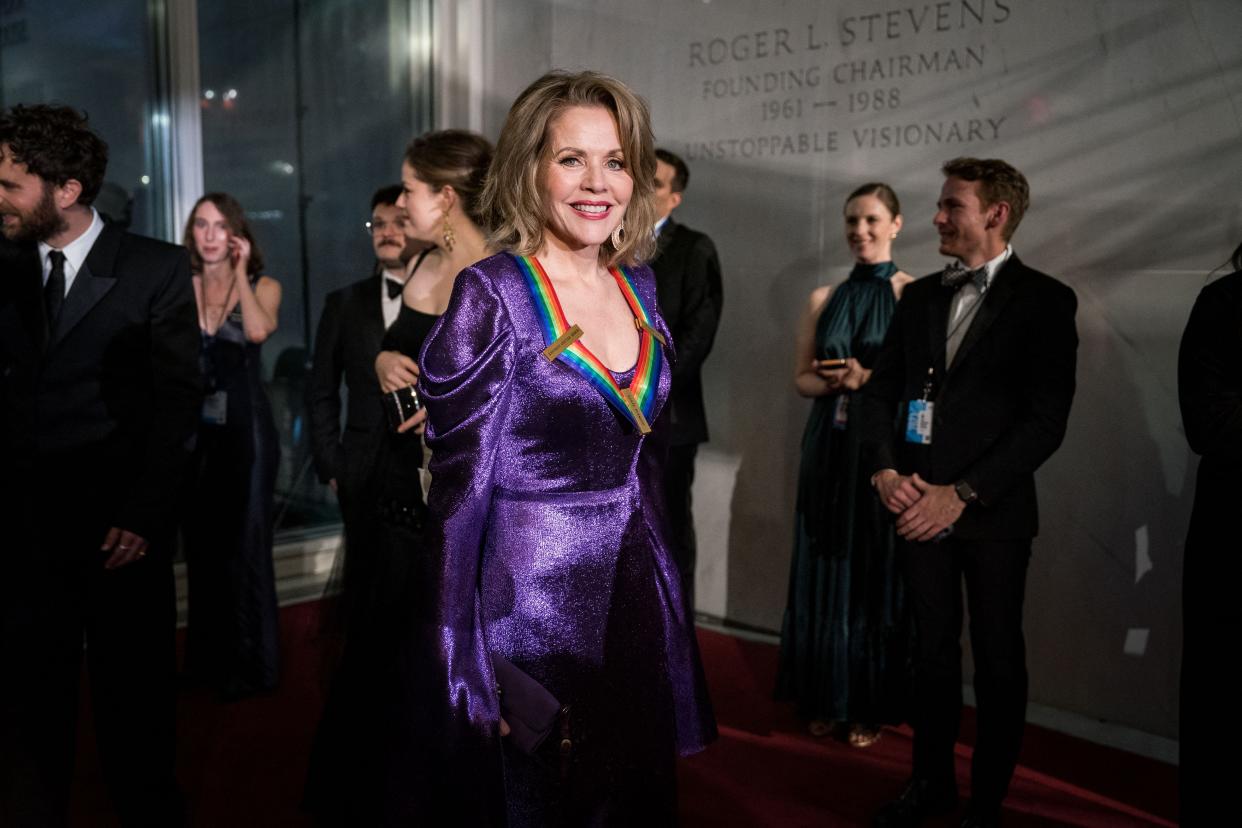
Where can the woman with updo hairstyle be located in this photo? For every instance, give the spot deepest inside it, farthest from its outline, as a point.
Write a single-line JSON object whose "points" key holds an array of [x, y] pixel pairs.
{"points": [[366, 748], [568, 678], [232, 634], [844, 636]]}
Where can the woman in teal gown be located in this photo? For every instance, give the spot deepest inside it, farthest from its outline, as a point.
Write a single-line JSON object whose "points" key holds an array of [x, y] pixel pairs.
{"points": [[845, 630]]}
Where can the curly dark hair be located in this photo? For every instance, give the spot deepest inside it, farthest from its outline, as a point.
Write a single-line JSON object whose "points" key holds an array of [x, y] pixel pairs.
{"points": [[55, 143], [386, 195]]}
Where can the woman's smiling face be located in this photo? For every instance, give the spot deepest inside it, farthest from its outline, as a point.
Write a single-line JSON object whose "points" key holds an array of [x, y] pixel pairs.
{"points": [[586, 183]]}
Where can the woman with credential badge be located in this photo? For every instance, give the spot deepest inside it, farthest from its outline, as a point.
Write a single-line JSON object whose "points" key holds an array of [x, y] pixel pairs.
{"points": [[843, 639], [233, 635]]}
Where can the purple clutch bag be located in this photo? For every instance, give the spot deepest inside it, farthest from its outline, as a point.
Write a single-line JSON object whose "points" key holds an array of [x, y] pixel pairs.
{"points": [[526, 705]]}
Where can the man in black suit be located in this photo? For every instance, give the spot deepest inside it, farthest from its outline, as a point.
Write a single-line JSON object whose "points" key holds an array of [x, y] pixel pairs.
{"points": [[969, 396], [99, 399], [351, 329], [688, 285]]}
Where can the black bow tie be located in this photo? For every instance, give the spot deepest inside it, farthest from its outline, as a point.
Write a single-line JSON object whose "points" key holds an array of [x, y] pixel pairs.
{"points": [[955, 276], [394, 288]]}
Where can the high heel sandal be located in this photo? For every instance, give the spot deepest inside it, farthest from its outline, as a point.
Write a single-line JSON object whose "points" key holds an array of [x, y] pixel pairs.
{"points": [[862, 736], [820, 728]]}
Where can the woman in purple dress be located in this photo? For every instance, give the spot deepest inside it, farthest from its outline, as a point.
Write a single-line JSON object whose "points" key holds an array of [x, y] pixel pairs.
{"points": [[544, 383]]}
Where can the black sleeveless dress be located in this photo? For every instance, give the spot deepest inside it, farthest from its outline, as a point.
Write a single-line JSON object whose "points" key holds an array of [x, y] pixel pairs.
{"points": [[233, 635], [365, 748]]}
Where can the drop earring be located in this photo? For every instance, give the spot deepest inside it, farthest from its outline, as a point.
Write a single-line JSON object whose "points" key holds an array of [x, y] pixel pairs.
{"points": [[450, 238], [616, 236]]}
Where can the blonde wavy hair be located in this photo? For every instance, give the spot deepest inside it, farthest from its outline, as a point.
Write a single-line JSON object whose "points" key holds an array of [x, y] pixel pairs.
{"points": [[513, 201]]}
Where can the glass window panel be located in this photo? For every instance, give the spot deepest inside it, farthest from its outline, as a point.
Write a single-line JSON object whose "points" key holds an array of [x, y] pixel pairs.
{"points": [[96, 57], [306, 108]]}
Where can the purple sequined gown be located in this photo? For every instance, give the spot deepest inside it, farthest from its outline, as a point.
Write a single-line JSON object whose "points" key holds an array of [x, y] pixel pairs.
{"points": [[545, 506]]}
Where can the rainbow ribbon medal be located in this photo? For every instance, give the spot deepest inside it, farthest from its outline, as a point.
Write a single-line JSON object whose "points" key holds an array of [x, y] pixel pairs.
{"points": [[637, 402]]}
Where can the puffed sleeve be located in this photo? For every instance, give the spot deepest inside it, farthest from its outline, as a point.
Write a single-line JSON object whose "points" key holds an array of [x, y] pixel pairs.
{"points": [[467, 374]]}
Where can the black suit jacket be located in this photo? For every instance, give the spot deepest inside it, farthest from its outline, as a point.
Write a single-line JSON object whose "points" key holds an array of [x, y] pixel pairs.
{"points": [[1000, 409], [351, 330], [113, 389], [1209, 386], [688, 285]]}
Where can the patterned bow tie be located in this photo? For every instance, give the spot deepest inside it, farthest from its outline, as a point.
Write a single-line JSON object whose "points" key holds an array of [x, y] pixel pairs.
{"points": [[394, 288], [955, 276]]}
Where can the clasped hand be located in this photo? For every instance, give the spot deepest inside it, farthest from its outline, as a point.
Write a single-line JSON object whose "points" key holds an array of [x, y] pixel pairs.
{"points": [[123, 547], [924, 509]]}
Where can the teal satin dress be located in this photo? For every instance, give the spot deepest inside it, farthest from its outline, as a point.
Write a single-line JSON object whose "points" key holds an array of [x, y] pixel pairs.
{"points": [[845, 634]]}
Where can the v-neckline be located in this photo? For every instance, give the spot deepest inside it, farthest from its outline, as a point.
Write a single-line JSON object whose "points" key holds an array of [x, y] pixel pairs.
{"points": [[636, 400], [634, 313]]}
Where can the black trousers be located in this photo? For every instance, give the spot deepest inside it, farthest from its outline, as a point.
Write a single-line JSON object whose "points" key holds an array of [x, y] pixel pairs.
{"points": [[57, 602], [995, 577], [1211, 620], [678, 485]]}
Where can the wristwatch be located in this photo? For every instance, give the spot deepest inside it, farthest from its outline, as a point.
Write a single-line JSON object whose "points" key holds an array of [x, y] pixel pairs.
{"points": [[965, 492]]}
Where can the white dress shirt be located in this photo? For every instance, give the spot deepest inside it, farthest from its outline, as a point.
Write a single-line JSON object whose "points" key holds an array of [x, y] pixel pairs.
{"points": [[75, 252], [391, 307], [966, 303]]}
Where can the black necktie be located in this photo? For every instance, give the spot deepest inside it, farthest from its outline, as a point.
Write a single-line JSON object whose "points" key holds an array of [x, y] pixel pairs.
{"points": [[955, 276], [394, 288], [54, 290]]}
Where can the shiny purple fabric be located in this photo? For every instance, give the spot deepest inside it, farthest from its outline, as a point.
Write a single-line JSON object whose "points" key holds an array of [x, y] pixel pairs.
{"points": [[546, 507]]}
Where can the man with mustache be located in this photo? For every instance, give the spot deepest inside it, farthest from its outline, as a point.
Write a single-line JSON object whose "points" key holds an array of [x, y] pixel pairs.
{"points": [[99, 398], [350, 331]]}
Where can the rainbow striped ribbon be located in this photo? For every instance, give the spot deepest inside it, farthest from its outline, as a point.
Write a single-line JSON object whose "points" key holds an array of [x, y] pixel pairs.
{"points": [[637, 402]]}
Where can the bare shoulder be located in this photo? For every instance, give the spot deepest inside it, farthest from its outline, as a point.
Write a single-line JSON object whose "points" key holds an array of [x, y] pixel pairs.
{"points": [[818, 299], [899, 281]]}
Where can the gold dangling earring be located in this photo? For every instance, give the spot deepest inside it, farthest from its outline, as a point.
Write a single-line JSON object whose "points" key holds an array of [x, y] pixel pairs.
{"points": [[616, 236], [449, 238]]}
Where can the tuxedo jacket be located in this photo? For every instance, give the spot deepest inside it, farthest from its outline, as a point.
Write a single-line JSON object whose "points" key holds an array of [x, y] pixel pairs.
{"points": [[1209, 385], [351, 330], [113, 390], [689, 289], [999, 411]]}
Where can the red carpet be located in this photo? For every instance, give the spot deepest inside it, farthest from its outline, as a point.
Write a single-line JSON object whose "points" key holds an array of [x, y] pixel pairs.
{"points": [[243, 764], [766, 770]]}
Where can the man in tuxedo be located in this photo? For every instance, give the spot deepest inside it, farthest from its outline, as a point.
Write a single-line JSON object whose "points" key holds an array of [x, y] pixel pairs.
{"points": [[350, 332], [969, 396], [99, 400], [688, 285]]}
